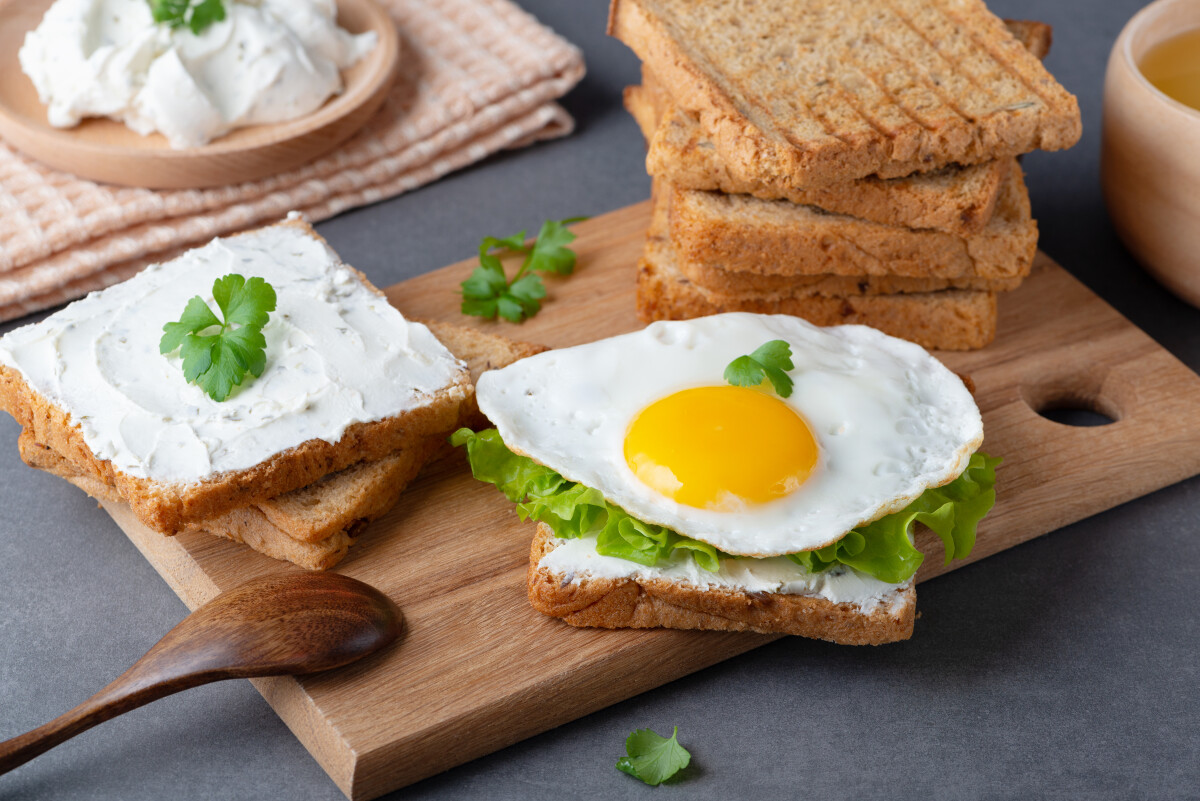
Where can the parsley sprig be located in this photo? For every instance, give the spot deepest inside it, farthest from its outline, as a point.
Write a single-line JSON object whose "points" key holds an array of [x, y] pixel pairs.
{"points": [[653, 758], [195, 15], [488, 292], [220, 361], [771, 361]]}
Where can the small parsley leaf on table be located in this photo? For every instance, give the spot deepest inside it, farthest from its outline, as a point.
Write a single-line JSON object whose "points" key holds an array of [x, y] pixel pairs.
{"points": [[770, 361], [653, 758], [488, 293], [218, 362]]}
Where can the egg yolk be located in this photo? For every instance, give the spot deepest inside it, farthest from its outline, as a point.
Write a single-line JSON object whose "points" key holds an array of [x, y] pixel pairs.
{"points": [[720, 447]]}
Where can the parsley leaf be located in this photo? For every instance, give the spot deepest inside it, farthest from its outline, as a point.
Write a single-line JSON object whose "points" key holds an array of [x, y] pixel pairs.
{"points": [[771, 361], [550, 252], [488, 293], [652, 758], [175, 13], [169, 10], [218, 362], [205, 14]]}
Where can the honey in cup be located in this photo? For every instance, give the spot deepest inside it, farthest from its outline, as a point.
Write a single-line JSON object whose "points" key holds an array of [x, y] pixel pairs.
{"points": [[1173, 66], [1150, 148]]}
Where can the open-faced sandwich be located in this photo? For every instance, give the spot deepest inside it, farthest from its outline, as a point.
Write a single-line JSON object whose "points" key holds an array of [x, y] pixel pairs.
{"points": [[737, 472], [286, 423]]}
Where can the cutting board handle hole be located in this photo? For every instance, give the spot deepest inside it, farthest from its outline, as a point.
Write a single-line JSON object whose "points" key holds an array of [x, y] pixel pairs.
{"points": [[1084, 397], [1073, 416]]}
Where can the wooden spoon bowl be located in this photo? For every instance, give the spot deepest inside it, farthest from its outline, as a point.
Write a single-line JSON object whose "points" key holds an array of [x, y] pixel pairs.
{"points": [[278, 625]]}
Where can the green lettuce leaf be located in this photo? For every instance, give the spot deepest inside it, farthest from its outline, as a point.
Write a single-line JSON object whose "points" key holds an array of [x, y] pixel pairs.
{"points": [[572, 510], [883, 549]]}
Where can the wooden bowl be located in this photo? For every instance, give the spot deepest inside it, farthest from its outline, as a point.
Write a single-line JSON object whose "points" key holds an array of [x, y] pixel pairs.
{"points": [[1150, 154], [105, 150]]}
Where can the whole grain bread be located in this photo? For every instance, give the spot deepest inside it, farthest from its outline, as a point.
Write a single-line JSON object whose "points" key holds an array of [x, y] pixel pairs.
{"points": [[959, 200], [728, 283], [819, 92], [314, 526], [248, 525], [777, 237], [950, 319], [365, 491], [170, 507], [480, 352], [627, 603]]}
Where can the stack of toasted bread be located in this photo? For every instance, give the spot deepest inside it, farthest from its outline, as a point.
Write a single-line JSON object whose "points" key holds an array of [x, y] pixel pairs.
{"points": [[306, 504], [842, 162], [314, 526]]}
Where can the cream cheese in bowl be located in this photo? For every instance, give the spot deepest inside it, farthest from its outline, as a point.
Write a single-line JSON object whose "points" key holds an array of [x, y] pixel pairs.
{"points": [[268, 61]]}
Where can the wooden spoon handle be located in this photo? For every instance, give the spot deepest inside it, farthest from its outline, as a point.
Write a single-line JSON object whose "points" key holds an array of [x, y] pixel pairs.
{"points": [[129, 691], [277, 625]]}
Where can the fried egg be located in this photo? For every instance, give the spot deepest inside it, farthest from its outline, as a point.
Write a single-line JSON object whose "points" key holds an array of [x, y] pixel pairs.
{"points": [[649, 421]]}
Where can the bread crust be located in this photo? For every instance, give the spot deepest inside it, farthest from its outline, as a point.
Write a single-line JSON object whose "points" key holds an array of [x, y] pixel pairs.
{"points": [[169, 507], [314, 526], [910, 87], [958, 200], [628, 603], [776, 237], [951, 319], [732, 284], [286, 539]]}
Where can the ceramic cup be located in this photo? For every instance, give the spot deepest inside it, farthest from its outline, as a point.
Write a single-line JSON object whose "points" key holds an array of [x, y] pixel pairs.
{"points": [[1150, 154]]}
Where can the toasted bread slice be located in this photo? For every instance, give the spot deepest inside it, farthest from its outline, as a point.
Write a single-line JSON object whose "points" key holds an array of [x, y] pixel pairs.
{"points": [[776, 237], [170, 507], [1036, 37], [628, 603], [246, 525], [950, 319], [480, 352], [958, 200], [314, 526], [729, 283], [817, 93], [365, 491]]}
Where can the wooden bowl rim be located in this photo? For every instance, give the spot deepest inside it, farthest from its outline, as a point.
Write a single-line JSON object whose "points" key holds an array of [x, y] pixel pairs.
{"points": [[377, 68]]}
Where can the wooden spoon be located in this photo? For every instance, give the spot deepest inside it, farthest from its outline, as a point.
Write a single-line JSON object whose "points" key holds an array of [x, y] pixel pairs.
{"points": [[293, 623]]}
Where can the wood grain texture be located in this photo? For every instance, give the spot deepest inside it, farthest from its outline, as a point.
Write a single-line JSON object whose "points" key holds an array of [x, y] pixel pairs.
{"points": [[478, 669], [105, 150]]}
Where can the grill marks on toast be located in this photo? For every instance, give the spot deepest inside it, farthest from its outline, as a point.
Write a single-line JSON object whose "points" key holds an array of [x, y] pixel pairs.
{"points": [[885, 88], [956, 199]]}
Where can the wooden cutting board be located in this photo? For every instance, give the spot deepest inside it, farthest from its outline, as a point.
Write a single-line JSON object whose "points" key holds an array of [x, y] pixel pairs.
{"points": [[478, 669]]}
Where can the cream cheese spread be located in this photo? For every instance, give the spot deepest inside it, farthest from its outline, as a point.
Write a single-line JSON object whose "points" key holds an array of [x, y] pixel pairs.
{"points": [[268, 61], [577, 558], [337, 354]]}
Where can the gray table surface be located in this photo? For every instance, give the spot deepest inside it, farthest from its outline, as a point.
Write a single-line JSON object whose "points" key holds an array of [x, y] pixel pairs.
{"points": [[1065, 668]]}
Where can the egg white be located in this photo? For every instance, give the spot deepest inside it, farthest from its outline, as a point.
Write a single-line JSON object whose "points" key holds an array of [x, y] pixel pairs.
{"points": [[890, 421]]}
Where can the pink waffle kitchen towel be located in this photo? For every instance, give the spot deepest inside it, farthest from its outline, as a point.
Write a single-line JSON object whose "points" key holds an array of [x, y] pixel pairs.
{"points": [[476, 76]]}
